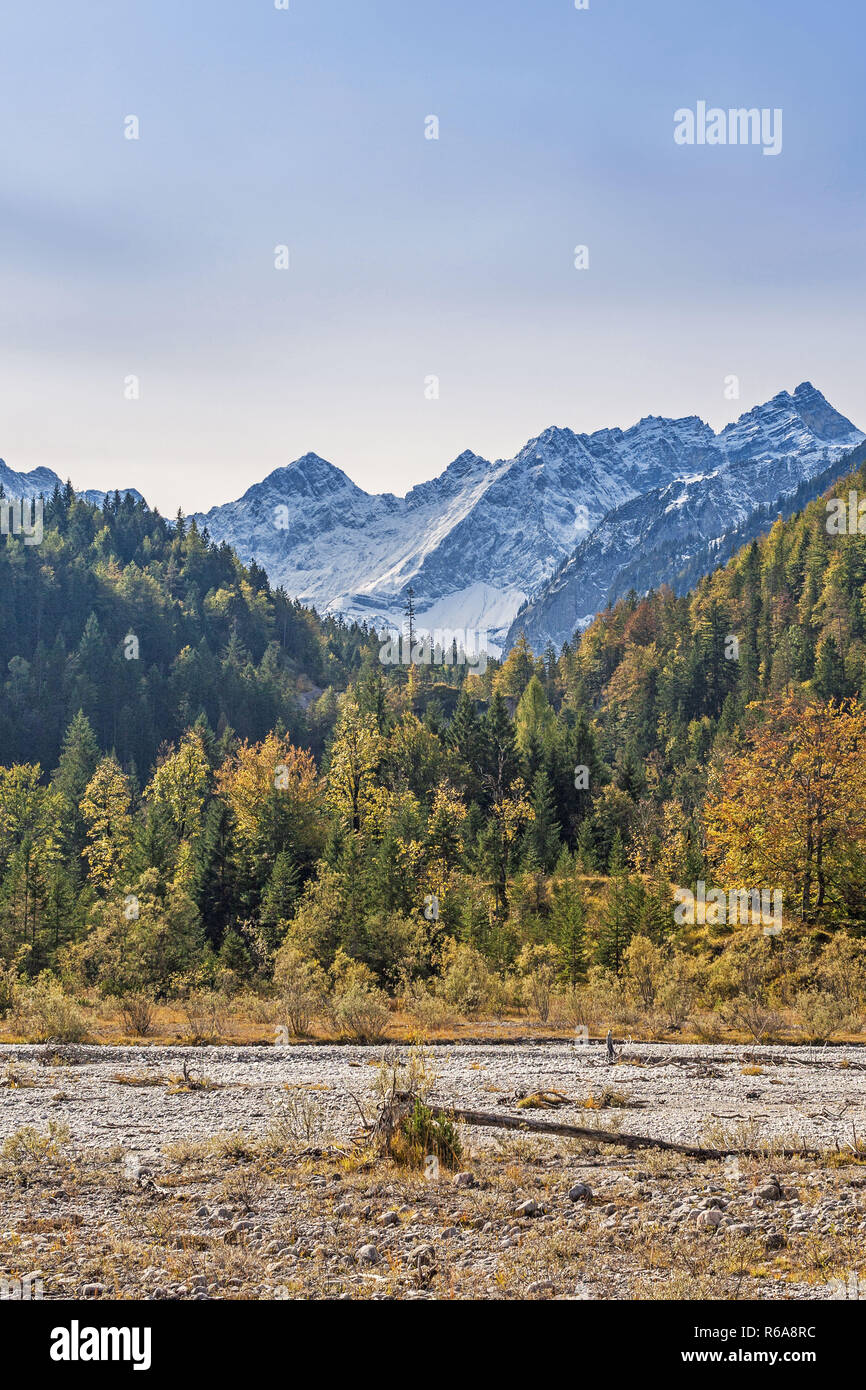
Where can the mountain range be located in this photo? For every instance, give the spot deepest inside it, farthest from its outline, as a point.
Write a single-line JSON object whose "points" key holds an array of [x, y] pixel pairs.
{"points": [[537, 543], [542, 541], [771, 462], [42, 482]]}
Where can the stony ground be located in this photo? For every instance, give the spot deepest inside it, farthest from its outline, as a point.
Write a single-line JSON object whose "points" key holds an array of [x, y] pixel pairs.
{"points": [[159, 1172]]}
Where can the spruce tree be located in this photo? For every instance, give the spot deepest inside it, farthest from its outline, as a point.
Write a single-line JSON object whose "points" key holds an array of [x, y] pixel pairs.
{"points": [[542, 840], [500, 758], [830, 681], [568, 916], [78, 762], [586, 854], [280, 898], [619, 921]]}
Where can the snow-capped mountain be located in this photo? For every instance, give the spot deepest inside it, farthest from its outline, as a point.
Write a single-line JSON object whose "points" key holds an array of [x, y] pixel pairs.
{"points": [[42, 482], [776, 456], [477, 541]]}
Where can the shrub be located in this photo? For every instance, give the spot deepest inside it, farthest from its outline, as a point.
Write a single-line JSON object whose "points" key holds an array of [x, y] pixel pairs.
{"points": [[465, 977], [841, 971], [422, 1135], [750, 1013], [362, 1011], [303, 988], [258, 1007], [54, 1016], [137, 1010], [678, 991], [9, 990], [576, 1008], [644, 971], [429, 1009], [708, 1026], [540, 966], [359, 1007], [744, 978], [823, 1014], [609, 998], [298, 1119], [503, 993], [25, 1154], [204, 1010]]}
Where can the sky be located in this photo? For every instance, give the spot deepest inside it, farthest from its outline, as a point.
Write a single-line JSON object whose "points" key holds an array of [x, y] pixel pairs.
{"points": [[146, 267]]}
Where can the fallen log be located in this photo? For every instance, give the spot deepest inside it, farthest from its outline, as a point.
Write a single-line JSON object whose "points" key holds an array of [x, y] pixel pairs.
{"points": [[603, 1136]]}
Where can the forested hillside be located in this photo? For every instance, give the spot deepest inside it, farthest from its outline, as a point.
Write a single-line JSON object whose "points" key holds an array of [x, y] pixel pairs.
{"points": [[205, 782], [212, 640]]}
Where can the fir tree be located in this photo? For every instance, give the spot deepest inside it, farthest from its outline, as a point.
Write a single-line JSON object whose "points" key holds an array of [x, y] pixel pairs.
{"points": [[542, 840], [619, 922], [568, 918]]}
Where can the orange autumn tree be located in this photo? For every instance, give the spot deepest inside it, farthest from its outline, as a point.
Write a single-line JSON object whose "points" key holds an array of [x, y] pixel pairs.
{"points": [[789, 810]]}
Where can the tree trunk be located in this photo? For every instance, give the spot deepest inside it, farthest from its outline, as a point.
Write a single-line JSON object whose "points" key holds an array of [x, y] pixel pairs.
{"points": [[600, 1136]]}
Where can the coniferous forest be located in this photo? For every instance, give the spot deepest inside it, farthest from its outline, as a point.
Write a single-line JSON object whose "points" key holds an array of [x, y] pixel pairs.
{"points": [[208, 791], [433, 713]]}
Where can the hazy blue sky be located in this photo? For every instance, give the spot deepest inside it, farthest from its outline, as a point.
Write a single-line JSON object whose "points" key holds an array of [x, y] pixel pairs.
{"points": [[411, 257]]}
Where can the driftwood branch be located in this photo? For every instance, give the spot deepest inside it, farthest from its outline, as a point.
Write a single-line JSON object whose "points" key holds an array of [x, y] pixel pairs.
{"points": [[600, 1136]]}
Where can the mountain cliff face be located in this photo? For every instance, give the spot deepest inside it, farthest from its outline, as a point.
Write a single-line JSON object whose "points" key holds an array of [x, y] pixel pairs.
{"points": [[678, 530], [479, 540]]}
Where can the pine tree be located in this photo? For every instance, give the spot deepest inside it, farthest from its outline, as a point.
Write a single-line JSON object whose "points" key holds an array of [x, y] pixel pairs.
{"points": [[542, 840], [619, 922], [501, 760], [280, 898], [568, 917], [586, 854]]}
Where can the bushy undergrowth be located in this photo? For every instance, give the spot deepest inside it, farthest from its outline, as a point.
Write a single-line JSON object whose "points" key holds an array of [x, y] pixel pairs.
{"points": [[743, 983]]}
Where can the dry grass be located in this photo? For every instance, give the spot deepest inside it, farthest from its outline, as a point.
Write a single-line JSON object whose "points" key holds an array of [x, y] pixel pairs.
{"points": [[251, 1020], [286, 1224]]}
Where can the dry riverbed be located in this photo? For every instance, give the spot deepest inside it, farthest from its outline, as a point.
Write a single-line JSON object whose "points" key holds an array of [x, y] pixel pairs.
{"points": [[221, 1172]]}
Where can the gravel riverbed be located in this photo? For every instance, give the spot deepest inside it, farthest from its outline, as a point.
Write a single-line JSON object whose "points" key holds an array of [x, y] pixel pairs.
{"points": [[817, 1095], [124, 1175]]}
